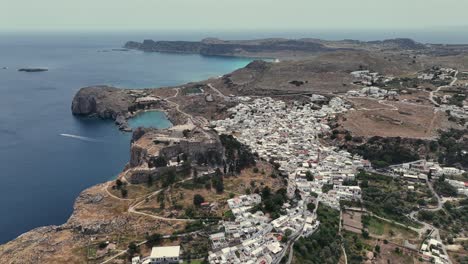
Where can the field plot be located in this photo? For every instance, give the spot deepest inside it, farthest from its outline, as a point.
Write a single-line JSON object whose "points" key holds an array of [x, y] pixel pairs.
{"points": [[393, 119]]}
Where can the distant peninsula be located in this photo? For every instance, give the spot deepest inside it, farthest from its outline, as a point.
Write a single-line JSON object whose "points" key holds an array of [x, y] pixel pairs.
{"points": [[295, 49]]}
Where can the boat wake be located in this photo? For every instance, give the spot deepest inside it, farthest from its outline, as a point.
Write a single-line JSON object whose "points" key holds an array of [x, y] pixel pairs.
{"points": [[80, 137]]}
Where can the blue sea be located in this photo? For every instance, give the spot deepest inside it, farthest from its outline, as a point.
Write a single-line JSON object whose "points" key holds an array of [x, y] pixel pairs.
{"points": [[42, 171], [48, 156]]}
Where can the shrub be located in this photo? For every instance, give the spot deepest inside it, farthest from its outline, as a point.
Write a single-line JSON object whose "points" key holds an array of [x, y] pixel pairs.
{"points": [[198, 199]]}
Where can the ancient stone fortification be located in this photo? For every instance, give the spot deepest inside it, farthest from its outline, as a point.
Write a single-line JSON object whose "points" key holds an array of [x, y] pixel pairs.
{"points": [[188, 144]]}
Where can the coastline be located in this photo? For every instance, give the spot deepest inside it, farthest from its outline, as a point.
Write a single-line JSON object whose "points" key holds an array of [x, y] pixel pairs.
{"points": [[171, 109]]}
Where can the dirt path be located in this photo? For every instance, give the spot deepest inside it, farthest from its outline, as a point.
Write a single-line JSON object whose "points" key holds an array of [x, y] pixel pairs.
{"points": [[217, 91]]}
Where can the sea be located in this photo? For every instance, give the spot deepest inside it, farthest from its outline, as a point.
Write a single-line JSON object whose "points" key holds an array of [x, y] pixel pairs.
{"points": [[47, 155]]}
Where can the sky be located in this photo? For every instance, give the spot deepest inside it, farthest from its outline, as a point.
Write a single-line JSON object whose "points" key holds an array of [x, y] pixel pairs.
{"points": [[120, 15]]}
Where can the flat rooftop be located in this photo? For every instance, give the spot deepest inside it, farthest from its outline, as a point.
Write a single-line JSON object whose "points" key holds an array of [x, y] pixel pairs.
{"points": [[165, 252]]}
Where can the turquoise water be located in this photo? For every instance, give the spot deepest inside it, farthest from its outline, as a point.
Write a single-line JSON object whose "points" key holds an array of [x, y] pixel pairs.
{"points": [[156, 119]]}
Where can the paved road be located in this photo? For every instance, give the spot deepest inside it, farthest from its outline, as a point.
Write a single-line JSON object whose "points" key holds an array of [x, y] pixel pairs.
{"points": [[290, 245], [339, 232]]}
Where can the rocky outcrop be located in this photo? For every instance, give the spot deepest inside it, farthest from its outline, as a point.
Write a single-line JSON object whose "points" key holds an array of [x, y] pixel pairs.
{"points": [[103, 101], [138, 155]]}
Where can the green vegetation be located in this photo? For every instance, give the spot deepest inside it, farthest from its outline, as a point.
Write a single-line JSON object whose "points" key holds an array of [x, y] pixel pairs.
{"points": [[102, 245], [388, 197], [195, 249], [186, 133], [194, 226], [383, 228], [324, 245], [153, 240], [327, 187], [238, 155], [271, 203], [217, 181], [309, 176], [199, 182], [132, 249], [157, 162], [444, 188], [198, 199], [451, 146], [452, 218], [355, 247], [457, 99], [192, 90], [384, 151], [229, 216], [168, 177]]}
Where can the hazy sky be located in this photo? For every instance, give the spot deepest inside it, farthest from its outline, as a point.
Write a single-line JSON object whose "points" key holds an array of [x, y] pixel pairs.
{"points": [[230, 14]]}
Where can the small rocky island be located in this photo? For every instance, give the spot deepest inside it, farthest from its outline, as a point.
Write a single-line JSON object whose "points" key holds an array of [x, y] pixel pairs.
{"points": [[33, 69]]}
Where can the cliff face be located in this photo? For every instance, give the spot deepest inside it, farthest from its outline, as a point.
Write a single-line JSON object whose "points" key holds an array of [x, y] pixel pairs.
{"points": [[103, 101]]}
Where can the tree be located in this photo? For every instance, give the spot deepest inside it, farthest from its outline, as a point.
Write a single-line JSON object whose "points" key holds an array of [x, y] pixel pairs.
{"points": [[309, 176], [124, 192], [198, 199], [311, 207], [365, 234], [186, 132], [266, 192], [154, 239], [364, 184], [102, 245], [118, 183], [348, 137], [132, 249], [285, 238], [217, 181], [195, 175], [160, 161], [377, 248], [150, 180], [168, 177], [327, 187]]}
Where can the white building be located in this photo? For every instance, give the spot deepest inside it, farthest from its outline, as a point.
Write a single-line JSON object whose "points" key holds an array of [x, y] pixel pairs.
{"points": [[163, 255]]}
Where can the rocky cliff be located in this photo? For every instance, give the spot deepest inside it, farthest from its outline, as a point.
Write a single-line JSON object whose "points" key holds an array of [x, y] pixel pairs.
{"points": [[103, 101]]}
